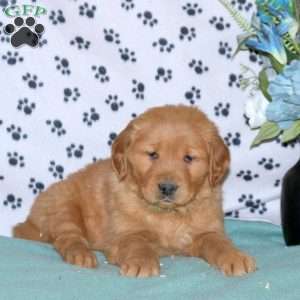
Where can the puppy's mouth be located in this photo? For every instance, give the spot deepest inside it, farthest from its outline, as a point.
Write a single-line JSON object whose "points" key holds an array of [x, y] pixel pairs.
{"points": [[166, 204], [162, 206], [161, 203]]}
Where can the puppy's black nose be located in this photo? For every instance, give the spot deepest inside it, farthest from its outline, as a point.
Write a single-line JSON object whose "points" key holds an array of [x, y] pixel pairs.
{"points": [[167, 188]]}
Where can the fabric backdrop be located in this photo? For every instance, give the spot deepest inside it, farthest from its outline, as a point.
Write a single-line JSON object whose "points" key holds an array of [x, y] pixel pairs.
{"points": [[101, 63]]}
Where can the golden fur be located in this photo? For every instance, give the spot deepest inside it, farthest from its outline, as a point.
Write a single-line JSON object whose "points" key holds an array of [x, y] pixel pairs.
{"points": [[115, 205]]}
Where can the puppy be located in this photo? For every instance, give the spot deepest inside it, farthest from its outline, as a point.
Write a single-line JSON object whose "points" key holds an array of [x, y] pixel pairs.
{"points": [[158, 195]]}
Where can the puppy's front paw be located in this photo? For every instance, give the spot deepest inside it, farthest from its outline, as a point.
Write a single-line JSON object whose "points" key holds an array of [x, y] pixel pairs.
{"points": [[80, 256], [236, 263], [140, 267]]}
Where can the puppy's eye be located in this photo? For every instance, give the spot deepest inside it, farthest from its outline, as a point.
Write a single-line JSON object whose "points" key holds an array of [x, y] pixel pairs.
{"points": [[153, 155], [188, 158]]}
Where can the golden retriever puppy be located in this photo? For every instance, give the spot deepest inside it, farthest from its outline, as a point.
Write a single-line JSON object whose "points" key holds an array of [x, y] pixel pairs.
{"points": [[159, 194]]}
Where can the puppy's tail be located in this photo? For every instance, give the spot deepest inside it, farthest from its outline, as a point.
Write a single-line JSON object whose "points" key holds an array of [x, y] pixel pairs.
{"points": [[29, 231]]}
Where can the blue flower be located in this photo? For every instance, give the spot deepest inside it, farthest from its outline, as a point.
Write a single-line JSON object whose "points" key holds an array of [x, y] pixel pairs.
{"points": [[268, 40], [277, 5], [285, 92], [287, 22], [280, 13]]}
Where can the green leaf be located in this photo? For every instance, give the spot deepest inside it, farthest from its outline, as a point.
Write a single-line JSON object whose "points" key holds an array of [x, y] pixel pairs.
{"points": [[264, 83], [278, 67], [268, 131], [296, 8], [292, 133], [291, 56]]}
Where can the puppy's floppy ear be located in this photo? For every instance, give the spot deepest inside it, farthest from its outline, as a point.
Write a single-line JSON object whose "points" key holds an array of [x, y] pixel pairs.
{"points": [[219, 159], [119, 148]]}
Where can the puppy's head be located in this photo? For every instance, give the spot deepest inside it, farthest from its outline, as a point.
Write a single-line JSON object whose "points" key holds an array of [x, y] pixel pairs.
{"points": [[169, 153]]}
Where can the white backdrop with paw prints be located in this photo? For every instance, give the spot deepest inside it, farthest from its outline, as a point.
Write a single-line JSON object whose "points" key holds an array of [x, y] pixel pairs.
{"points": [[101, 63]]}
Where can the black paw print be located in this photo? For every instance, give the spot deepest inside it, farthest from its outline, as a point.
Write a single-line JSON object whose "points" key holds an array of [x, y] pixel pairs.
{"points": [[219, 23], [112, 137], [222, 109], [225, 49], [16, 133], [1, 177], [36, 186], [233, 214], [192, 9], [127, 4], [12, 201], [253, 205], [26, 106], [111, 36], [62, 65], [187, 33], [57, 171], [24, 32], [268, 163], [80, 43], [87, 10], [127, 55], [247, 175], [133, 115], [138, 89], [71, 94], [198, 66], [163, 45], [242, 4], [56, 127], [101, 73], [32, 81], [193, 95], [277, 183], [12, 58], [90, 117], [234, 140], [75, 151], [255, 57], [147, 18], [234, 80], [57, 17], [113, 101], [15, 160], [164, 74]]}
